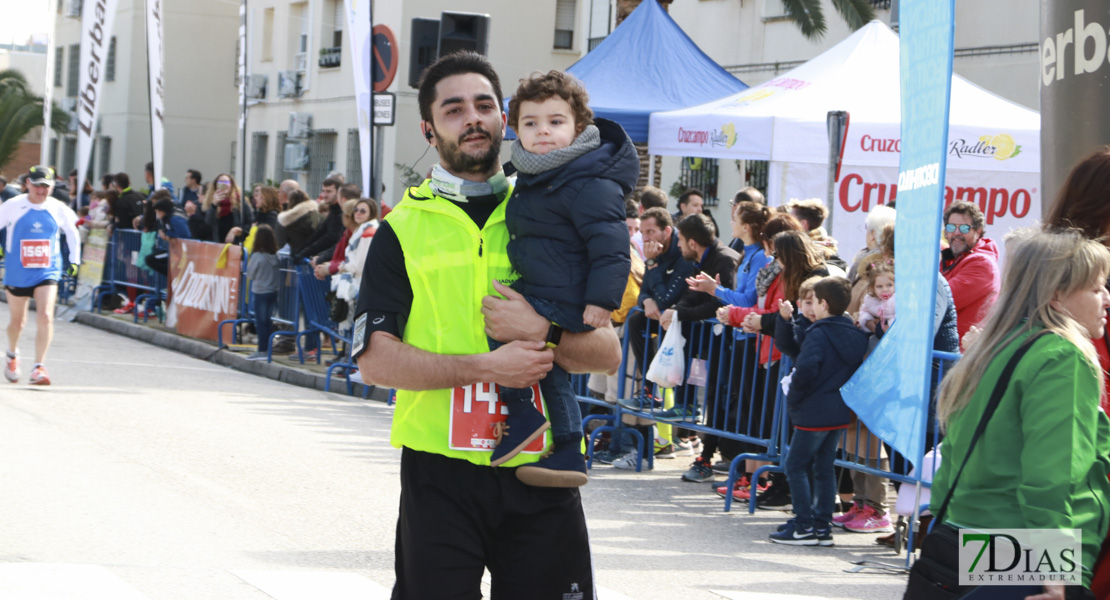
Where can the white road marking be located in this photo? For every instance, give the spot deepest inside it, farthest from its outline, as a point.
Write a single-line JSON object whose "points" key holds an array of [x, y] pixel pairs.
{"points": [[313, 585], [49, 581], [735, 595]]}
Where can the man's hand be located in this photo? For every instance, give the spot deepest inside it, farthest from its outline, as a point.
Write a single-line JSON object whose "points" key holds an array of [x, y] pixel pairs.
{"points": [[652, 249], [512, 318], [665, 318], [595, 316], [753, 323], [786, 311], [519, 364], [702, 282], [321, 271], [651, 309]]}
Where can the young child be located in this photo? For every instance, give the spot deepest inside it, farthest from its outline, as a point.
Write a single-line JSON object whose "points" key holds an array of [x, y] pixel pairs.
{"points": [[877, 308], [569, 243], [832, 351], [265, 276]]}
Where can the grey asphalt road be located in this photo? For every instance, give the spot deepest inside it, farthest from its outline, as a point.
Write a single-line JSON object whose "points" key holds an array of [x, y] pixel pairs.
{"points": [[142, 474]]}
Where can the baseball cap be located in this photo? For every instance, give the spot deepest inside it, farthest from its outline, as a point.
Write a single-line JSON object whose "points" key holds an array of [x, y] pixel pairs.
{"points": [[40, 174]]}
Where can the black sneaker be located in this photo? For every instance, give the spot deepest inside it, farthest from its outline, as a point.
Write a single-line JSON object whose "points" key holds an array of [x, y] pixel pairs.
{"points": [[722, 466], [774, 500]]}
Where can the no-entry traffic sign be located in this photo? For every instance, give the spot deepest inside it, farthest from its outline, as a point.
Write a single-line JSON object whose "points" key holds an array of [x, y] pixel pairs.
{"points": [[384, 57]]}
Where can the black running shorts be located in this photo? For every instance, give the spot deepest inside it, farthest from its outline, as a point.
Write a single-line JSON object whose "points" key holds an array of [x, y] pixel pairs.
{"points": [[458, 518], [27, 292]]}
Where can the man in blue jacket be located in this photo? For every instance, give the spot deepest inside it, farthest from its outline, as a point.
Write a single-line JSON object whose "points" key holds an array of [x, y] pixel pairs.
{"points": [[832, 351], [664, 280]]}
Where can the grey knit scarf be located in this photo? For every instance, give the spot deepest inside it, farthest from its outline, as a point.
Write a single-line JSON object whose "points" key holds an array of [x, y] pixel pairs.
{"points": [[529, 163], [766, 276], [453, 187]]}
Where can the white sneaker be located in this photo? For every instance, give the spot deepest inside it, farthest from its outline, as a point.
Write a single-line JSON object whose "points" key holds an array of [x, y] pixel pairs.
{"points": [[11, 367], [628, 462]]}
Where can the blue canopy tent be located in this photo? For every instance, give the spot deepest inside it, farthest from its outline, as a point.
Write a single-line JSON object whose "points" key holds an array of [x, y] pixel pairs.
{"points": [[649, 64]]}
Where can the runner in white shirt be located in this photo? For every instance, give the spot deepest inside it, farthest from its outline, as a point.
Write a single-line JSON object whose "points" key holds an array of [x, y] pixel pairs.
{"points": [[33, 264]]}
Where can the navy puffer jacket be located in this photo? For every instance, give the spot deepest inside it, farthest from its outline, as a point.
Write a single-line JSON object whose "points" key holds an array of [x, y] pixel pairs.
{"points": [[568, 238], [832, 351]]}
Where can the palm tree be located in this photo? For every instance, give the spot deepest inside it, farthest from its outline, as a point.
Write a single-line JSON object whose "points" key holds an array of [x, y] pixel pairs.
{"points": [[810, 18], [807, 14], [21, 111]]}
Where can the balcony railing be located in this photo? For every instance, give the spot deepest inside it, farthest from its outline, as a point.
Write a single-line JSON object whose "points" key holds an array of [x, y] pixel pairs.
{"points": [[330, 57]]}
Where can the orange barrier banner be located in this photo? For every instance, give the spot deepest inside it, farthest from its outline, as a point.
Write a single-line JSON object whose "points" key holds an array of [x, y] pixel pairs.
{"points": [[204, 287]]}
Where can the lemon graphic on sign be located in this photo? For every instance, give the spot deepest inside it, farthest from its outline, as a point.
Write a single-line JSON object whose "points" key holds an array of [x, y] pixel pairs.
{"points": [[730, 134], [1004, 145]]}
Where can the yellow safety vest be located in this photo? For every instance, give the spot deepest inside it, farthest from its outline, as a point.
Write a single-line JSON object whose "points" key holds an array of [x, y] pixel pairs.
{"points": [[451, 265]]}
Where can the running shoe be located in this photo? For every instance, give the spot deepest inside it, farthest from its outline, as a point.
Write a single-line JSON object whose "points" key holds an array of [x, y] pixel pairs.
{"points": [[11, 367], [39, 376], [678, 414], [869, 520], [125, 309], [699, 472], [628, 463], [848, 516], [792, 536]]}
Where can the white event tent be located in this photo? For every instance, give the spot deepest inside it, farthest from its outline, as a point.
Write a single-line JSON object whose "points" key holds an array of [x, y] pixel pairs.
{"points": [[994, 144]]}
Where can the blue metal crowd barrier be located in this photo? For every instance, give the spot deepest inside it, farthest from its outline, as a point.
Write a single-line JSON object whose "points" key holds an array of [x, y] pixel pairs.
{"points": [[741, 399], [120, 270], [287, 313]]}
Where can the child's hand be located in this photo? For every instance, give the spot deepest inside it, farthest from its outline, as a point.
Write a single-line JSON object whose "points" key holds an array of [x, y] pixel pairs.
{"points": [[786, 310], [722, 314], [702, 282], [595, 316]]}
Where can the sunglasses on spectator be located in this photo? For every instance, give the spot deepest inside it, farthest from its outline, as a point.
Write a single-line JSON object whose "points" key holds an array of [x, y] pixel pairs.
{"points": [[40, 185], [952, 227]]}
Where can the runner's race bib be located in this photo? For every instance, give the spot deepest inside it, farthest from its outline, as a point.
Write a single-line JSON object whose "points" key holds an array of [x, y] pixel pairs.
{"points": [[34, 254], [478, 414]]}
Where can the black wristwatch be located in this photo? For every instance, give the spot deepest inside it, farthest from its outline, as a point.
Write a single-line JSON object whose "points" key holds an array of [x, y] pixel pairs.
{"points": [[651, 262], [554, 335]]}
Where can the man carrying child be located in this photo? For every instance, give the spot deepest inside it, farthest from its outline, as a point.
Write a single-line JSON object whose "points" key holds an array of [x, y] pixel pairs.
{"points": [[831, 351]]}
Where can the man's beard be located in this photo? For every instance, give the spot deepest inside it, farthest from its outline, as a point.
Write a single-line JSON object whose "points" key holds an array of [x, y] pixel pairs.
{"points": [[457, 161]]}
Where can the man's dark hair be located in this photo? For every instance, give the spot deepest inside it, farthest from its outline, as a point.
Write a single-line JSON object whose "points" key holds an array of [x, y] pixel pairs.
{"points": [[836, 292], [107, 180], [458, 63], [195, 174], [699, 228], [685, 197], [812, 210], [968, 209], [163, 202], [332, 182], [350, 192], [661, 216], [749, 194], [122, 180], [631, 208], [150, 168], [652, 197]]}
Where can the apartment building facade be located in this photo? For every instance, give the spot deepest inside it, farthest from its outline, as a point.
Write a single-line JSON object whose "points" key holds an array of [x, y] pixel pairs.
{"points": [[201, 89]]}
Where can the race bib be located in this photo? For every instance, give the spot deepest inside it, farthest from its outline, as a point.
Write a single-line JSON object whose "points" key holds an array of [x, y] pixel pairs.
{"points": [[477, 415], [34, 254]]}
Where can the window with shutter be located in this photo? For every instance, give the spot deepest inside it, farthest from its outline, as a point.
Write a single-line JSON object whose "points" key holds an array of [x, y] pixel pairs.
{"points": [[564, 23]]}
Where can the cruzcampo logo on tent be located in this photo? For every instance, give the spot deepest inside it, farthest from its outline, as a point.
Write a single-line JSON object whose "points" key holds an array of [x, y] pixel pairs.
{"points": [[999, 146]]}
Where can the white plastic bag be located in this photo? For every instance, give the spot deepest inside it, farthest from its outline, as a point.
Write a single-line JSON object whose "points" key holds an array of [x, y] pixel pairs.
{"points": [[669, 365]]}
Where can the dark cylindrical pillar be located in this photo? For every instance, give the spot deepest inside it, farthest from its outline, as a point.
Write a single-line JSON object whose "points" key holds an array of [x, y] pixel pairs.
{"points": [[1075, 87]]}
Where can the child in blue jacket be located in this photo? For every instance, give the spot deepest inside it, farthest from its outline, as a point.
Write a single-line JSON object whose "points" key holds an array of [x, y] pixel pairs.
{"points": [[569, 244], [831, 352]]}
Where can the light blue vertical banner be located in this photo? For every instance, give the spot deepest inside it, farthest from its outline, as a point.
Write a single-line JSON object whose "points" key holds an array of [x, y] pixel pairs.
{"points": [[890, 392]]}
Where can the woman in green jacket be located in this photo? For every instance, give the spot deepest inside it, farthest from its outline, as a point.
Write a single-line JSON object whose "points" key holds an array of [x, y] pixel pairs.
{"points": [[1042, 462]]}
